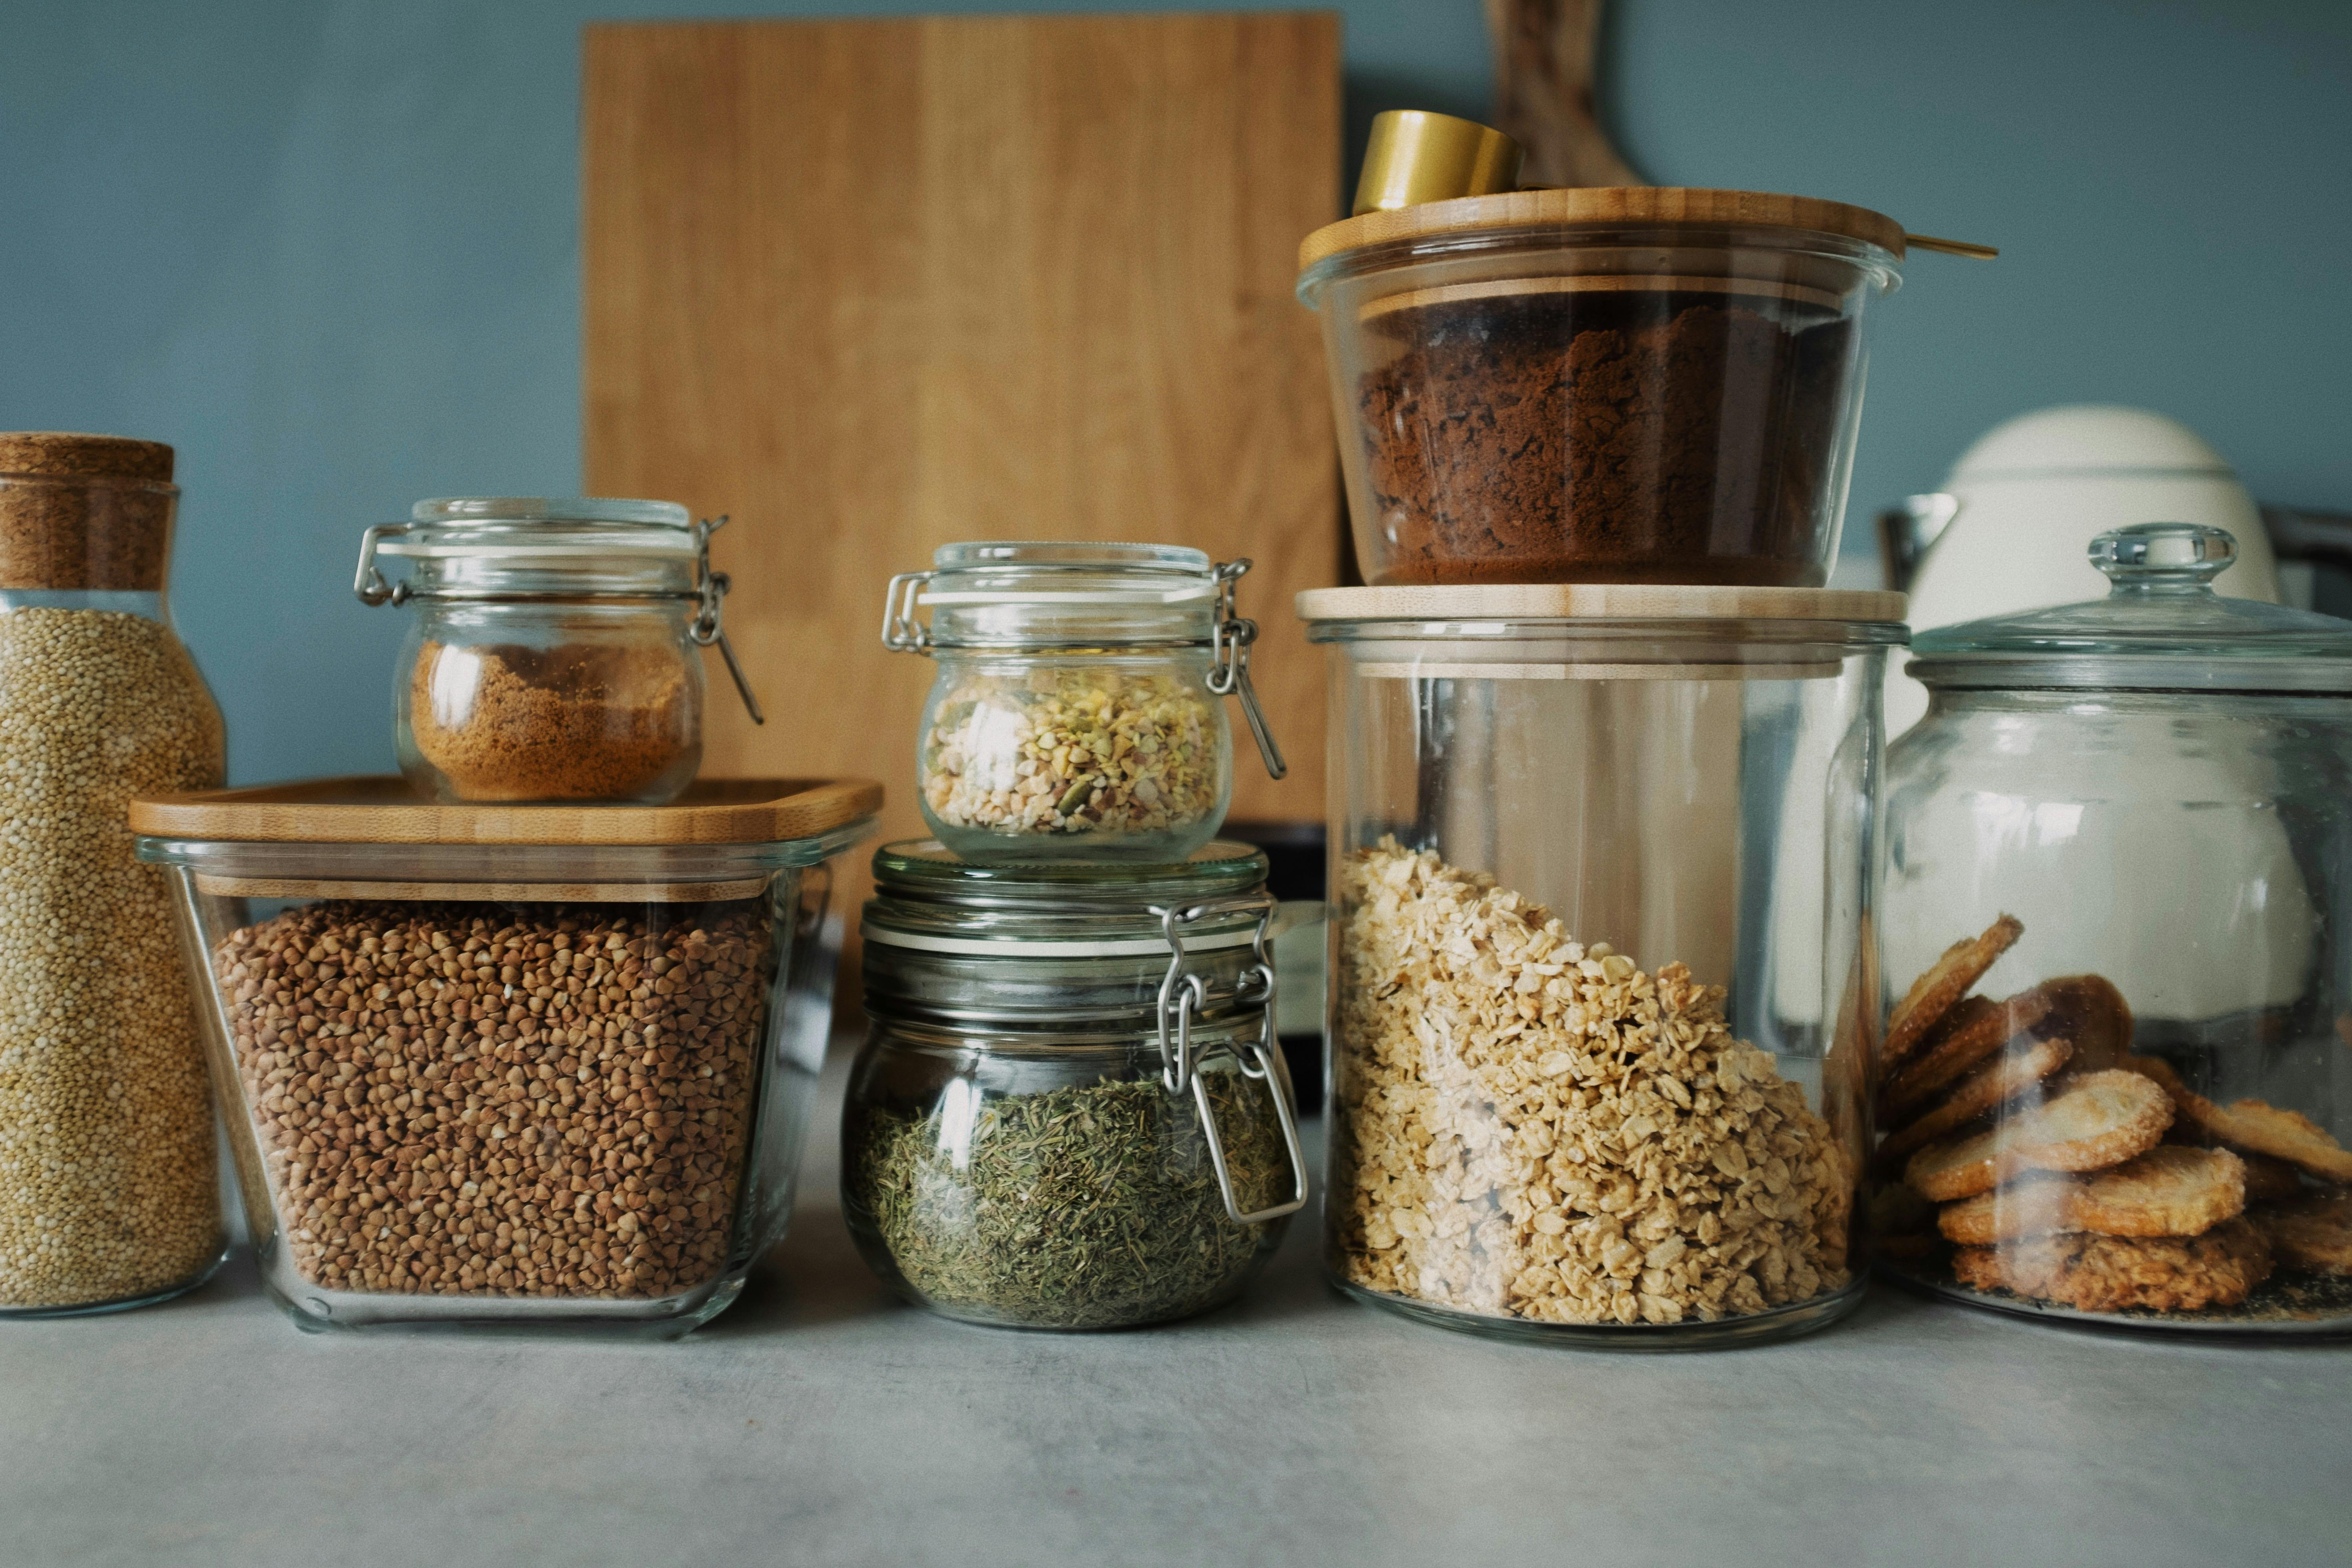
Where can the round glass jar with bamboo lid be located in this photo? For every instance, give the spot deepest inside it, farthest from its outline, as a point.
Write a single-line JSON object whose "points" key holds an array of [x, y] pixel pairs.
{"points": [[1599, 384], [1603, 993], [1070, 1111]]}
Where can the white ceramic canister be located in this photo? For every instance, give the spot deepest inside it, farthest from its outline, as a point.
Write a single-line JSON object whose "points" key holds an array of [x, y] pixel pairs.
{"points": [[2034, 492]]}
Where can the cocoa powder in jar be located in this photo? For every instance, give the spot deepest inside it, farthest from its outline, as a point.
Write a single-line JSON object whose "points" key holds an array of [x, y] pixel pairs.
{"points": [[1606, 436]]}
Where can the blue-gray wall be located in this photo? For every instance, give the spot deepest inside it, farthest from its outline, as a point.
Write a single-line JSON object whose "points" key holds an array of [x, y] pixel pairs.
{"points": [[328, 249]]}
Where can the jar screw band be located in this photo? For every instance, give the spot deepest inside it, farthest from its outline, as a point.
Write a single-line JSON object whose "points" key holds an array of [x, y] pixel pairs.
{"points": [[1182, 992]]}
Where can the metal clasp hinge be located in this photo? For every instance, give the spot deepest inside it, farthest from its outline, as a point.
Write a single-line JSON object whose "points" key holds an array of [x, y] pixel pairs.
{"points": [[368, 583], [901, 632], [1229, 642], [1181, 993], [712, 586]]}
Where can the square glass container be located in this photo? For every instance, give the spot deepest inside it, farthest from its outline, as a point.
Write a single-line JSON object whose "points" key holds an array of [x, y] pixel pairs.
{"points": [[509, 1066]]}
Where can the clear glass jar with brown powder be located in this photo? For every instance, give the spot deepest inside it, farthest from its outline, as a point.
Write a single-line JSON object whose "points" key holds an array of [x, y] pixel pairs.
{"points": [[556, 654], [1599, 385]]}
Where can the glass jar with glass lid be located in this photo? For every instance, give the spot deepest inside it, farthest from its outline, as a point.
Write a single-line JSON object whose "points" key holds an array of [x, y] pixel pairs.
{"points": [[2116, 1083], [1071, 1112], [1076, 712], [1602, 988], [555, 652]]}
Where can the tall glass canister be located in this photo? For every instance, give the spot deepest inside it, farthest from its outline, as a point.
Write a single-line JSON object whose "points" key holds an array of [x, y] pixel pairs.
{"points": [[109, 1187], [1603, 990], [2119, 1065]]}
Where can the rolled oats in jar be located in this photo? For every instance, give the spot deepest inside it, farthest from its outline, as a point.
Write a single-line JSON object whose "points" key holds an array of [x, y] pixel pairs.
{"points": [[1603, 999], [1078, 714]]}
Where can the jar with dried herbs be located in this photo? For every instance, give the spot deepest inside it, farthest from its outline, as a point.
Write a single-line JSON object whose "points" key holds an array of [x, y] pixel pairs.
{"points": [[1024, 1144], [1077, 715]]}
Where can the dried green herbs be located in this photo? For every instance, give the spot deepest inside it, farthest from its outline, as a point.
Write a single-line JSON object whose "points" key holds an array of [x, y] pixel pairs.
{"points": [[1089, 1206]]}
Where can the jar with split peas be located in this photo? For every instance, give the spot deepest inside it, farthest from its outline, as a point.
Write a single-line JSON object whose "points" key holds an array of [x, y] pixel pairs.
{"points": [[1078, 710]]}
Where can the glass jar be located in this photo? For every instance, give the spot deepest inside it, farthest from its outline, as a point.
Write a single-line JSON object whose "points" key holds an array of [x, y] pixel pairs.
{"points": [[1599, 385], [1071, 1112], [523, 1066], [555, 655], [2120, 851], [110, 1187], [1077, 715], [1602, 991]]}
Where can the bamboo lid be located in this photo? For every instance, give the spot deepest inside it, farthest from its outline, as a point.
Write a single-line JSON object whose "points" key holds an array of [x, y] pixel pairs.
{"points": [[1661, 207], [1598, 601], [384, 810]]}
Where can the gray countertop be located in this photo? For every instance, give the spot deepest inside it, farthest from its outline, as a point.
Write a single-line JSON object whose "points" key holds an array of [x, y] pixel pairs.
{"points": [[820, 1422]]}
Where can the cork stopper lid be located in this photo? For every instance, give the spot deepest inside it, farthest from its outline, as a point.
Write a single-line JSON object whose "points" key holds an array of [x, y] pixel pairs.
{"points": [[84, 512]]}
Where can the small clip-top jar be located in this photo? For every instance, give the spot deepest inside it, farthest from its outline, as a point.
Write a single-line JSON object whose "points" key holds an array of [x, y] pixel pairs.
{"points": [[1071, 1112], [554, 655], [1076, 712], [2120, 848]]}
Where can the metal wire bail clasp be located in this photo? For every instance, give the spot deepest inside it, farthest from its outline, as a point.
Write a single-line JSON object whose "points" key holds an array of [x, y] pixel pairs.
{"points": [[1229, 640], [368, 583], [901, 632], [1183, 992], [712, 586]]}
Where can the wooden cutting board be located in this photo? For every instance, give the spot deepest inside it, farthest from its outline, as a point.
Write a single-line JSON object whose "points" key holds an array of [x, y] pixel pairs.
{"points": [[873, 286]]}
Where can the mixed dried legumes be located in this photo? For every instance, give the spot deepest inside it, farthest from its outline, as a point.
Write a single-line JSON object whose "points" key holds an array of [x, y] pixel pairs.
{"points": [[1063, 749]]}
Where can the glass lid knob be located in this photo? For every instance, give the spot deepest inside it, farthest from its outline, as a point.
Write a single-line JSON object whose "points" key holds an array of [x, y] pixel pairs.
{"points": [[2164, 557]]}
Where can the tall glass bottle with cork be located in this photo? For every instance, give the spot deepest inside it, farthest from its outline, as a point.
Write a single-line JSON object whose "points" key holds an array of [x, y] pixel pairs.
{"points": [[108, 1194]]}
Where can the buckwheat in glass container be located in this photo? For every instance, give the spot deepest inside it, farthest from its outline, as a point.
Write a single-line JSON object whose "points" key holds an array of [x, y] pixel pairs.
{"points": [[525, 1067], [1599, 385], [1071, 1112], [556, 650], [1603, 993], [1078, 711], [2118, 1087]]}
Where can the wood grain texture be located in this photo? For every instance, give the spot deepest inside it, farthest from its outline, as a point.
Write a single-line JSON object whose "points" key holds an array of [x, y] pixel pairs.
{"points": [[382, 809], [872, 287], [1546, 68], [1664, 206]]}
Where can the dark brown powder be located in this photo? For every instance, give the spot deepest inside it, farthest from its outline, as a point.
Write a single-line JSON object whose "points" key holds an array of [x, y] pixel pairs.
{"points": [[582, 723], [1603, 436]]}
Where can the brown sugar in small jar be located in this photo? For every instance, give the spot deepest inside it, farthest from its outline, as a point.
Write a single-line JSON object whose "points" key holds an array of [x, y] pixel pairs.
{"points": [[555, 655], [575, 721], [1599, 385]]}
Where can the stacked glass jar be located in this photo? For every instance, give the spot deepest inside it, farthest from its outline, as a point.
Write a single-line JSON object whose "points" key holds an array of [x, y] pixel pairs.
{"points": [[1071, 1112], [1605, 761]]}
